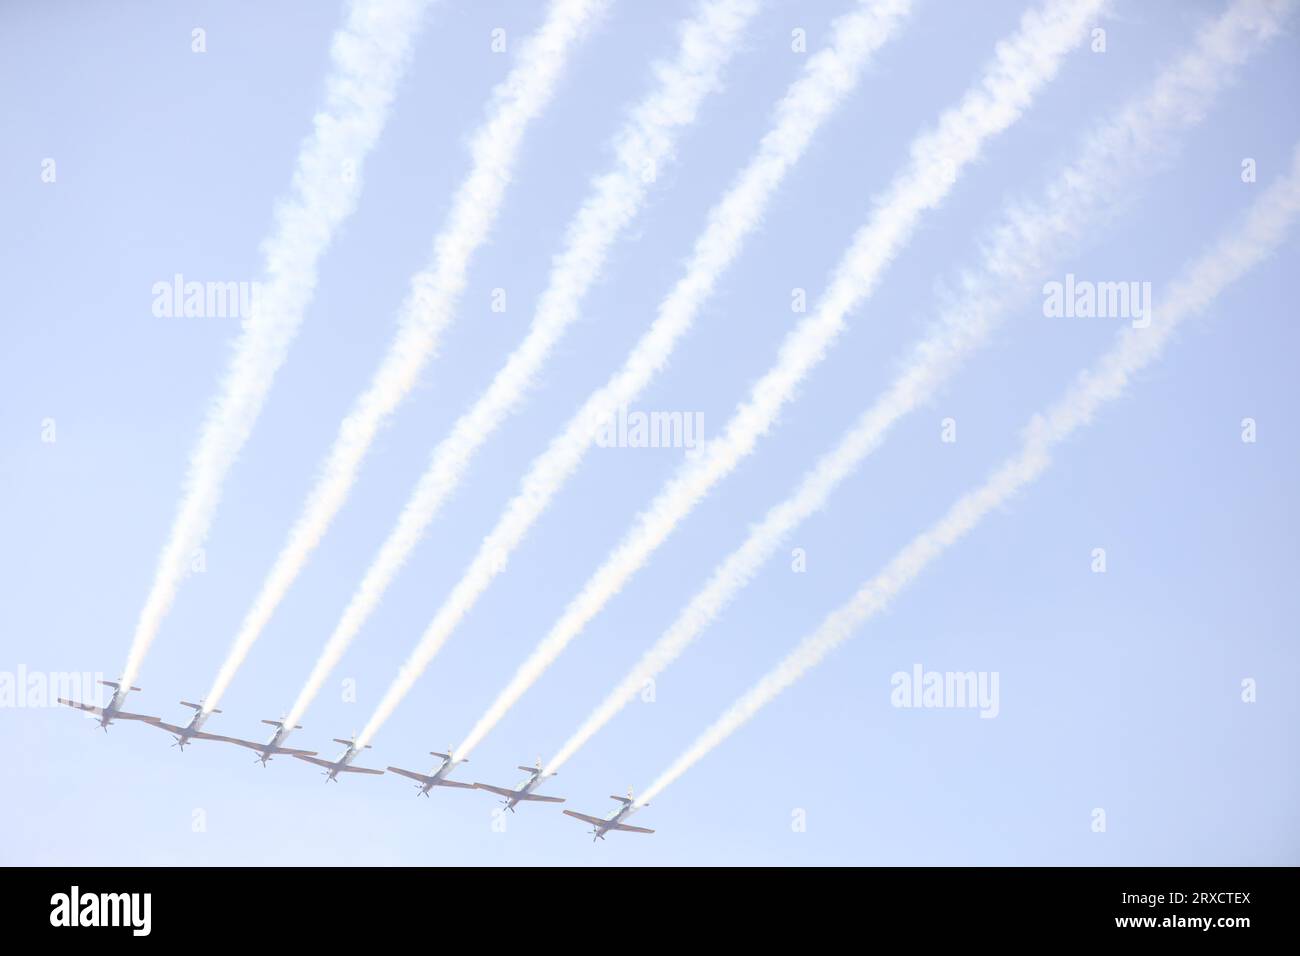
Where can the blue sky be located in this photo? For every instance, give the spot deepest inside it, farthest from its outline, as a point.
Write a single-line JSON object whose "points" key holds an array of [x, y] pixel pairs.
{"points": [[1118, 690]]}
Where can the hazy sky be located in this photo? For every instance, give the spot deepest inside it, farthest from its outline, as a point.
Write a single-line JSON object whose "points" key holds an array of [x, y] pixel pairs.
{"points": [[1119, 690]]}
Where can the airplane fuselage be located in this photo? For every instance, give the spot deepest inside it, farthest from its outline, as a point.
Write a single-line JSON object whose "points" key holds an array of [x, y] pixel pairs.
{"points": [[192, 728], [613, 819], [345, 758], [114, 707], [440, 774], [276, 741], [526, 787]]}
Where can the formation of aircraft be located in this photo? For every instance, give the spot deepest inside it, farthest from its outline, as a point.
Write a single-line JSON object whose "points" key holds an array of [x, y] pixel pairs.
{"points": [[613, 820], [114, 709], [525, 789], [344, 762], [439, 776]]}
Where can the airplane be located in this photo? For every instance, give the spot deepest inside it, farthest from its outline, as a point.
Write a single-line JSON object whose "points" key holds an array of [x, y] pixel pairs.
{"points": [[343, 764], [525, 789], [614, 821], [114, 709], [436, 777], [273, 746], [190, 732]]}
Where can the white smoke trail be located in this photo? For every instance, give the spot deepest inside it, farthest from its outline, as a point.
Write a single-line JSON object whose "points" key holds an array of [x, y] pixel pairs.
{"points": [[428, 308], [368, 56], [647, 140], [1265, 227], [1113, 156], [1022, 64], [829, 76]]}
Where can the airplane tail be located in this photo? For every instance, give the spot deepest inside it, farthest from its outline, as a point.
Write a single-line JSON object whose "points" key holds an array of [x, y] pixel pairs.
{"points": [[192, 706], [535, 769], [434, 753], [279, 723], [348, 743], [115, 685]]}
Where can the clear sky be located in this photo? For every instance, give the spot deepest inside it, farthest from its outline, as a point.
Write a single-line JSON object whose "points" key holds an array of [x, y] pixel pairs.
{"points": [[1120, 691]]}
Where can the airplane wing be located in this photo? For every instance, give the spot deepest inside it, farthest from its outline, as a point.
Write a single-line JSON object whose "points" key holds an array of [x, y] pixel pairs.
{"points": [[422, 778], [204, 735], [123, 715], [598, 821], [170, 728], [349, 768], [455, 783], [327, 764], [503, 791], [259, 747], [541, 799], [91, 708], [630, 828]]}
